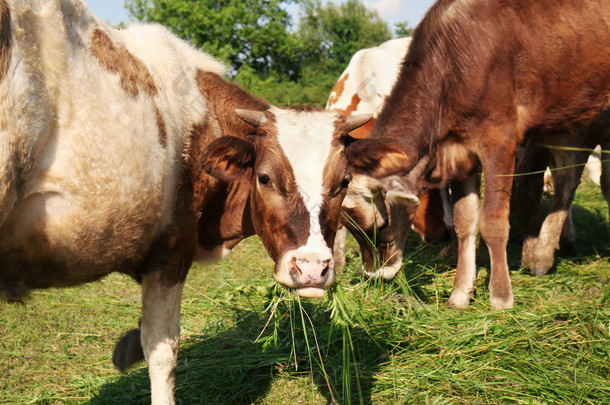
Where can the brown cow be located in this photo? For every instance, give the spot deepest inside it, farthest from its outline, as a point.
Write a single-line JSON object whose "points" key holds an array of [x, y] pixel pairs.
{"points": [[381, 226], [107, 139], [480, 77]]}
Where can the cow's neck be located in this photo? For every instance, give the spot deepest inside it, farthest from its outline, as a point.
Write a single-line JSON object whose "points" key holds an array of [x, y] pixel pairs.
{"points": [[433, 96], [224, 208]]}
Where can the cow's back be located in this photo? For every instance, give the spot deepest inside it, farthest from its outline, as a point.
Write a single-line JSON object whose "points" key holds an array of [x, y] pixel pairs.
{"points": [[368, 79], [96, 124]]}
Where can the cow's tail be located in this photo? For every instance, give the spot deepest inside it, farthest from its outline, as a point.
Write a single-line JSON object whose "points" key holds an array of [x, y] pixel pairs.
{"points": [[128, 350]]}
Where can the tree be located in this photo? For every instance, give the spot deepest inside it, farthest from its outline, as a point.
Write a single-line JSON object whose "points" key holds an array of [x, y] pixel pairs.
{"points": [[402, 29], [332, 33], [241, 32], [267, 57]]}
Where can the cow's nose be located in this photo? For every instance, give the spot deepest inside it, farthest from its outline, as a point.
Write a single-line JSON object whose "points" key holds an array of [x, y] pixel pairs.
{"points": [[310, 269]]}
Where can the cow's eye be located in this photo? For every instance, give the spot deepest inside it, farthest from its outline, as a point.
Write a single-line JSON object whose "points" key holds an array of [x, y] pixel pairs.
{"points": [[263, 179], [345, 182]]}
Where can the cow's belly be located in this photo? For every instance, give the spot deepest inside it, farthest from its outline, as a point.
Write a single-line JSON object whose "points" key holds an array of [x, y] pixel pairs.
{"points": [[54, 239]]}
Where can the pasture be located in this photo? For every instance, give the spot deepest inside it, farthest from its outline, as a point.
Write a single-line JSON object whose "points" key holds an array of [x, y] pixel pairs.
{"points": [[368, 343]]}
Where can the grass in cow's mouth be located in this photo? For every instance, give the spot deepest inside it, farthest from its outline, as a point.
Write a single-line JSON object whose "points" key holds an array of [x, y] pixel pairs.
{"points": [[287, 306]]}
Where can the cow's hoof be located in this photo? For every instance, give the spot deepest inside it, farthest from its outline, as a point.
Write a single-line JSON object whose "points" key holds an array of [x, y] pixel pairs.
{"points": [[501, 304], [128, 350], [459, 300]]}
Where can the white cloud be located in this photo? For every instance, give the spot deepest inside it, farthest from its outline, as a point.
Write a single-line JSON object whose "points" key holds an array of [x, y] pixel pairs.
{"points": [[386, 8]]}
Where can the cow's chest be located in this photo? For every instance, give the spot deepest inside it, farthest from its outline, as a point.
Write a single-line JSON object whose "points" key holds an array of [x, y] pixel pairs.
{"points": [[456, 159]]}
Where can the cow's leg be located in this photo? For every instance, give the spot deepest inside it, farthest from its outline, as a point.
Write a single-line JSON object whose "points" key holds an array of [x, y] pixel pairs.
{"points": [[605, 174], [161, 334], [465, 219], [498, 158], [565, 182], [528, 200], [339, 246]]}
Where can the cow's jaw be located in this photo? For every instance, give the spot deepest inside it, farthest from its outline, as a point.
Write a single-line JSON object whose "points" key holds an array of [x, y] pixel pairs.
{"points": [[307, 144]]}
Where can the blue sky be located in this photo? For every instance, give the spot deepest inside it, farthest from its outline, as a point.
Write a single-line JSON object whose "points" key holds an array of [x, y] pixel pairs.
{"points": [[392, 11]]}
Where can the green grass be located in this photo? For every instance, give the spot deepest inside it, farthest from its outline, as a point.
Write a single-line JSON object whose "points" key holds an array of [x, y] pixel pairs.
{"points": [[374, 342]]}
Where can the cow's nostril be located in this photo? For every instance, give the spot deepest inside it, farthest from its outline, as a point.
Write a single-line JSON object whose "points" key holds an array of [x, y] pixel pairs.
{"points": [[294, 267], [325, 271]]}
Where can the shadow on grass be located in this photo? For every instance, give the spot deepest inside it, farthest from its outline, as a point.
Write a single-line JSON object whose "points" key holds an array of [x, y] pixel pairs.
{"points": [[228, 367]]}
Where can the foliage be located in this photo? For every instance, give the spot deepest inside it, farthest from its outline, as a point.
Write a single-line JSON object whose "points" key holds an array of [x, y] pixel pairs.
{"points": [[402, 29], [268, 56], [332, 33], [254, 33]]}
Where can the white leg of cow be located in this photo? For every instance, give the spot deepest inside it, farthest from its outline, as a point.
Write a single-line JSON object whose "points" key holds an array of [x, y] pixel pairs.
{"points": [[161, 335], [605, 175], [565, 182], [465, 218], [594, 165], [339, 247]]}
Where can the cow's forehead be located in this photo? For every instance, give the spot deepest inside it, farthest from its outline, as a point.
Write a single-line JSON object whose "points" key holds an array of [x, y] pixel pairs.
{"points": [[306, 138]]}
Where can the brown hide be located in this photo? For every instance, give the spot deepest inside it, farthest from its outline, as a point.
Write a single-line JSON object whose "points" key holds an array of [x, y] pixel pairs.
{"points": [[134, 74], [225, 217], [5, 38], [491, 72], [428, 220]]}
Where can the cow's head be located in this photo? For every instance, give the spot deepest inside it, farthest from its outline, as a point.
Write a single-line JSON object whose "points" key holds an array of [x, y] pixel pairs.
{"points": [[299, 177], [379, 214]]}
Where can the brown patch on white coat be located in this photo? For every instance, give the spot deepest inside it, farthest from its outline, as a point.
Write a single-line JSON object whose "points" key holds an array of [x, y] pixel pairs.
{"points": [[134, 74]]}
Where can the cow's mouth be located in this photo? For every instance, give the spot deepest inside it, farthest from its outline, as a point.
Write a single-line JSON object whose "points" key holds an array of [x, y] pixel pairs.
{"points": [[311, 292]]}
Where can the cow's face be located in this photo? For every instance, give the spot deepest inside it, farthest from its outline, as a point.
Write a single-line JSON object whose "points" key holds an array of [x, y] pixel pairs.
{"points": [[299, 179], [380, 220]]}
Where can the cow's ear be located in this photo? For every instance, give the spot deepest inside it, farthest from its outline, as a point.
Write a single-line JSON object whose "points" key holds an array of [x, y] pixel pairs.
{"points": [[378, 158], [228, 157]]}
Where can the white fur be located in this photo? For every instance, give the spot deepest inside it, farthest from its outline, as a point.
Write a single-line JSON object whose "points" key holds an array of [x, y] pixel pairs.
{"points": [[306, 142], [161, 335], [372, 73]]}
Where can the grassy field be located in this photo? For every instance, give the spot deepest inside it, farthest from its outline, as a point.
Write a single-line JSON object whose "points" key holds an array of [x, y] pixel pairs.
{"points": [[245, 341]]}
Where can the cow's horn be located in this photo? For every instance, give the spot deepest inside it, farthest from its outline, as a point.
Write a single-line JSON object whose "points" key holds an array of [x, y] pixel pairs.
{"points": [[356, 121], [252, 117]]}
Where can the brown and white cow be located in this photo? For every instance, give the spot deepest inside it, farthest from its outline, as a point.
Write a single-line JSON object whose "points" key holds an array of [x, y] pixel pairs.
{"points": [[480, 77], [381, 225], [106, 140]]}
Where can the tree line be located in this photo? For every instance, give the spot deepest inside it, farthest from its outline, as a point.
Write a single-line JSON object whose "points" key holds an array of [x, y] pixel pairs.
{"points": [[269, 55]]}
